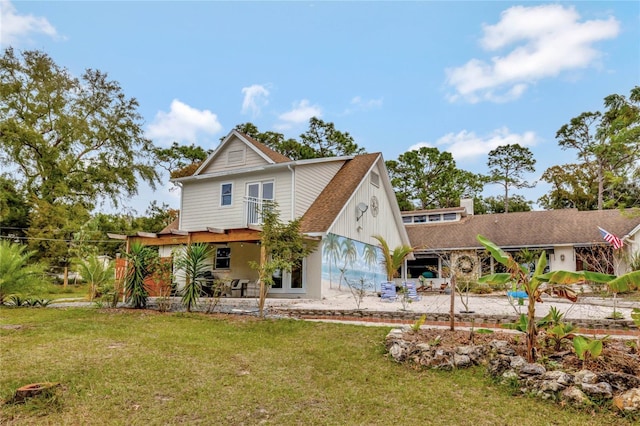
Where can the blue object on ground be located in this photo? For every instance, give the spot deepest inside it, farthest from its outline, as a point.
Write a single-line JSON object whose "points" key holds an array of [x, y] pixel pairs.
{"points": [[517, 294]]}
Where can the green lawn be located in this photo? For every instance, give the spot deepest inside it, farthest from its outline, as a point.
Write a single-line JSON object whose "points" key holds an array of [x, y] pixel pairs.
{"points": [[143, 367]]}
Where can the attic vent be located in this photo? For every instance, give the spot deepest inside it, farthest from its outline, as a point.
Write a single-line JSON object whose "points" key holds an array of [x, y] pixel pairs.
{"points": [[235, 157], [375, 179]]}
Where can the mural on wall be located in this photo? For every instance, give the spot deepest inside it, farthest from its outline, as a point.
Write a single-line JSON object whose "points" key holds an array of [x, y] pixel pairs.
{"points": [[347, 261]]}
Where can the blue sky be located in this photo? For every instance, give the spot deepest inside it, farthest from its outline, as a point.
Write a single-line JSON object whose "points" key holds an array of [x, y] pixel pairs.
{"points": [[465, 77]]}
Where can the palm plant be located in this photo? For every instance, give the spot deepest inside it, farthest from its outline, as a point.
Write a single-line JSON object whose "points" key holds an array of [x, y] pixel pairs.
{"points": [[392, 259], [192, 262], [95, 272], [140, 260], [16, 274]]}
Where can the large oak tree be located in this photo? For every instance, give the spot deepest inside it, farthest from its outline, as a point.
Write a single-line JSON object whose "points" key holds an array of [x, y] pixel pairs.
{"points": [[68, 139]]}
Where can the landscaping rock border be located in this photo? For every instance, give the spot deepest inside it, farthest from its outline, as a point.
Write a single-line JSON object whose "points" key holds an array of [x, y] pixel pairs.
{"points": [[581, 389]]}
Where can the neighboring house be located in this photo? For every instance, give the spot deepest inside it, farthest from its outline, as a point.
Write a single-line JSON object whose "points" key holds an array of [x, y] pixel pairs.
{"points": [[571, 239], [343, 202]]}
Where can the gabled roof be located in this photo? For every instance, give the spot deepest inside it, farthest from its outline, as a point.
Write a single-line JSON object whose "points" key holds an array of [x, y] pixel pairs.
{"points": [[274, 156], [523, 229], [271, 156], [328, 205]]}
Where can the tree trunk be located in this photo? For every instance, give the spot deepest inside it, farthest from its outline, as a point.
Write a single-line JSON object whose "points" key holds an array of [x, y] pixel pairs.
{"points": [[65, 279], [600, 186]]}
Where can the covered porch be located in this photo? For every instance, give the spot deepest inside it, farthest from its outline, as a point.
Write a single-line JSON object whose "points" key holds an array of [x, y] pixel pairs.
{"points": [[228, 271]]}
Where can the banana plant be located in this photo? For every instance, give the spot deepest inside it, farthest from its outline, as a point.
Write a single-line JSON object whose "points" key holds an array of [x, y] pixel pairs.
{"points": [[529, 282], [537, 283], [588, 348]]}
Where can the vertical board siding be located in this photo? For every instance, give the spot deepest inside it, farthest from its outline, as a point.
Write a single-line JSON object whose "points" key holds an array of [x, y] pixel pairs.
{"points": [[310, 181], [384, 224]]}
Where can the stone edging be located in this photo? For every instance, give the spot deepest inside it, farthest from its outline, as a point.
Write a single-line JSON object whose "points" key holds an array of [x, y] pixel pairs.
{"points": [[598, 326]]}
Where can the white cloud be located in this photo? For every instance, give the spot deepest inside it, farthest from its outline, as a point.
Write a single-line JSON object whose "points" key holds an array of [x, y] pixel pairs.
{"points": [[359, 104], [15, 28], [255, 97], [300, 113], [544, 41], [466, 145], [183, 124]]}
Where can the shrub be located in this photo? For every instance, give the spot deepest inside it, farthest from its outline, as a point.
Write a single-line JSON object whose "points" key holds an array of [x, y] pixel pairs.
{"points": [[17, 276]]}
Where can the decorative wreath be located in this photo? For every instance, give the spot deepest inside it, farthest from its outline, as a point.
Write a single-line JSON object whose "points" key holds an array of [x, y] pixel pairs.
{"points": [[465, 264]]}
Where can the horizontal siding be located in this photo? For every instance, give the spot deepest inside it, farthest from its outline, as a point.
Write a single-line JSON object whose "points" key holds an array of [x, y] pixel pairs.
{"points": [[201, 200], [220, 162], [310, 181]]}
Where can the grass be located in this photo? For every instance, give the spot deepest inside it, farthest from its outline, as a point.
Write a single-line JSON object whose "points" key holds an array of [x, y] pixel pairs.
{"points": [[57, 291], [144, 367]]}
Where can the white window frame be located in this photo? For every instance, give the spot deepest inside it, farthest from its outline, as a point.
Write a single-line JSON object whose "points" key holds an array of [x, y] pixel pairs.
{"points": [[222, 195]]}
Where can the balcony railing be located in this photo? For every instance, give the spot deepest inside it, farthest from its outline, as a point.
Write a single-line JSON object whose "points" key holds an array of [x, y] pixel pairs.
{"points": [[253, 209]]}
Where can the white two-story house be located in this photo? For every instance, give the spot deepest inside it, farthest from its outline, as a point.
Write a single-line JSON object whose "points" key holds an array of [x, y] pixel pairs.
{"points": [[343, 202]]}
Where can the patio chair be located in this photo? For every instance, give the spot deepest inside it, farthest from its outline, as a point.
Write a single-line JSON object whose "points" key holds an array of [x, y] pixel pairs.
{"points": [[388, 291], [410, 288]]}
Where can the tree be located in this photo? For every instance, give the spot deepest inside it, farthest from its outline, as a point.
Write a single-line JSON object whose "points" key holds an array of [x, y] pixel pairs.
{"points": [[326, 141], [68, 139], [572, 186], [427, 178], [181, 160], [51, 232], [321, 140], [490, 205], [14, 209], [608, 144], [283, 248], [507, 164]]}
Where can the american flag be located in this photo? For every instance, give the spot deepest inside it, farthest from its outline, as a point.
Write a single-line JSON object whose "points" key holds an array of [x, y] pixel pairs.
{"points": [[611, 239]]}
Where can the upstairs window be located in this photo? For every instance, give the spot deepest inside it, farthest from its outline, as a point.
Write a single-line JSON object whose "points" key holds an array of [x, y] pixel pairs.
{"points": [[420, 219], [449, 216], [375, 179], [434, 218], [226, 191], [407, 219]]}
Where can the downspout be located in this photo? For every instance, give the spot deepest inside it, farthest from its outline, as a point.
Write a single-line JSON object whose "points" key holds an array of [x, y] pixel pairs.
{"points": [[293, 191]]}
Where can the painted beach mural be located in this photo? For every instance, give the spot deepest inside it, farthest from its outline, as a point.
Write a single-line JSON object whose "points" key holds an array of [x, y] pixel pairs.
{"points": [[347, 261]]}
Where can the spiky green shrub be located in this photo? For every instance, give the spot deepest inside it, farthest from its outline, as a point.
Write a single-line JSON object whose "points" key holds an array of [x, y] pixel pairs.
{"points": [[140, 261], [17, 275], [192, 261], [97, 273]]}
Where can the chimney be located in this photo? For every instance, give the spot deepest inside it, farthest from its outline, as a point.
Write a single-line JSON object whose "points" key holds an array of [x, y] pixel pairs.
{"points": [[467, 203]]}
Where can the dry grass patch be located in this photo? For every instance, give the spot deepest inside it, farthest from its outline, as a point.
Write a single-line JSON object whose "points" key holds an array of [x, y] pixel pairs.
{"points": [[144, 367]]}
